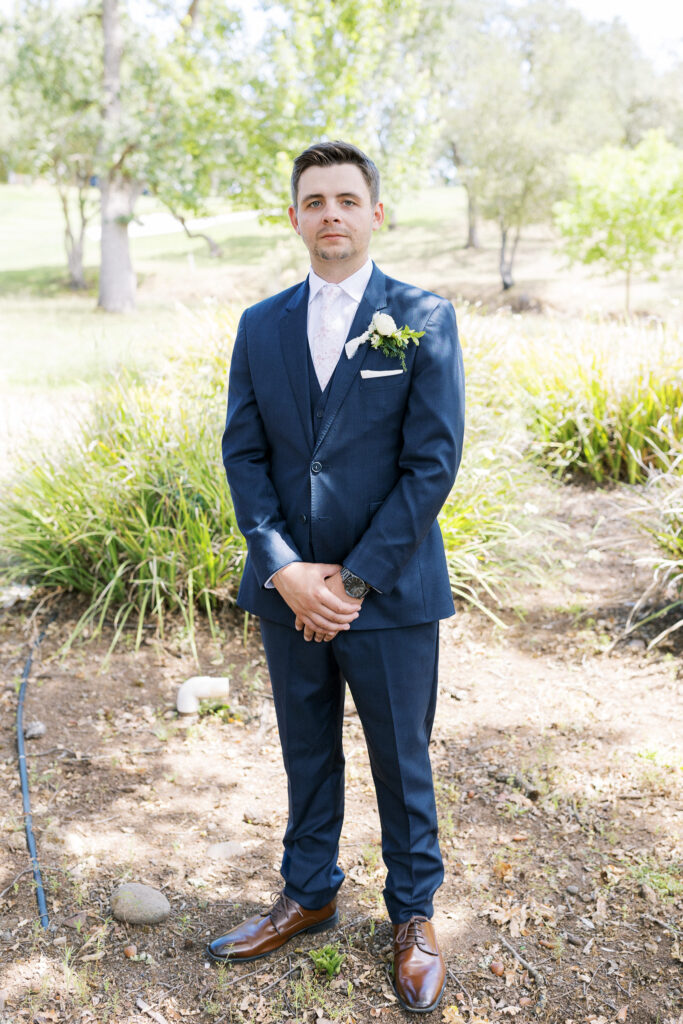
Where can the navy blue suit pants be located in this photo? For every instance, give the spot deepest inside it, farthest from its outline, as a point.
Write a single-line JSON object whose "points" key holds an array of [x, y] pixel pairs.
{"points": [[392, 675]]}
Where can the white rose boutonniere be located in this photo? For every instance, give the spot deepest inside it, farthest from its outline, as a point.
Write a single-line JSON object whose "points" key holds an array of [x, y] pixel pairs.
{"points": [[383, 334]]}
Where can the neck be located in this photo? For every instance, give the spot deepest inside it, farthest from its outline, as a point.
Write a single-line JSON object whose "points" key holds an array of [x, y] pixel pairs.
{"points": [[336, 271]]}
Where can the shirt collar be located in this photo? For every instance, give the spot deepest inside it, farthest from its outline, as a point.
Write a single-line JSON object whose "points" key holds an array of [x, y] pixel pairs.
{"points": [[354, 286]]}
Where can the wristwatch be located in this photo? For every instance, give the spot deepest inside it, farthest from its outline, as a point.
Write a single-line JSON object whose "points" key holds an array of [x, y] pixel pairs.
{"points": [[353, 585]]}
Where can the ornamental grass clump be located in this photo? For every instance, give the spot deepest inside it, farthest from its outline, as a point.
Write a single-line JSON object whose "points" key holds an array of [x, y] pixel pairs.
{"points": [[607, 403], [660, 511], [493, 532], [135, 513]]}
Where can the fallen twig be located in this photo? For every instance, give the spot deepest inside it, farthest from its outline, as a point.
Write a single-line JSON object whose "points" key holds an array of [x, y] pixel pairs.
{"points": [[263, 967], [277, 981], [458, 982], [600, 965], [15, 879], [662, 924], [142, 1005], [533, 971]]}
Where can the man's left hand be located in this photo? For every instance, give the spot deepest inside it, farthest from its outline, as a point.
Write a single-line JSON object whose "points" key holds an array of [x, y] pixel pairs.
{"points": [[337, 587]]}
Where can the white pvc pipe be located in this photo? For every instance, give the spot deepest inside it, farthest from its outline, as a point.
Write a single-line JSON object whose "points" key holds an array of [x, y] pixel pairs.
{"points": [[200, 688]]}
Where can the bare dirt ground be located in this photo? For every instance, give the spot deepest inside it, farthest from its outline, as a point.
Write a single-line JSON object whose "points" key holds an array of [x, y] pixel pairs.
{"points": [[557, 764]]}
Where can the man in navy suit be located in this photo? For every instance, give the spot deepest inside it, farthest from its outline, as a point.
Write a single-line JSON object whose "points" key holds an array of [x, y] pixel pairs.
{"points": [[340, 450]]}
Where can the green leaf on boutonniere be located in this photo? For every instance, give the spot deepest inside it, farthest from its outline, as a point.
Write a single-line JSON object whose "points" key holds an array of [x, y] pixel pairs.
{"points": [[390, 340]]}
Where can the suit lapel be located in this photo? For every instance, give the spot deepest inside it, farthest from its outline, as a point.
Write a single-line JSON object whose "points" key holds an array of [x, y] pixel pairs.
{"points": [[294, 344], [374, 298]]}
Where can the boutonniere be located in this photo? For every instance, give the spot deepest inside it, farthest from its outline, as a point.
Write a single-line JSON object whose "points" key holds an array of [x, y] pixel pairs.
{"points": [[383, 334]]}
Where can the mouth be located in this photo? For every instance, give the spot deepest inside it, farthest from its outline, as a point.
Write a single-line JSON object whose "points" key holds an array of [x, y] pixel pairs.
{"points": [[332, 235]]}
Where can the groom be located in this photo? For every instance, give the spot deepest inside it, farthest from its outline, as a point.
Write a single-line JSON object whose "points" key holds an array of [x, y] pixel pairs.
{"points": [[342, 441]]}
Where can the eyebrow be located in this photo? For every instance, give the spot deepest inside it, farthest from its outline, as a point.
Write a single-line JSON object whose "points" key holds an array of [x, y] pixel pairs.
{"points": [[340, 195]]}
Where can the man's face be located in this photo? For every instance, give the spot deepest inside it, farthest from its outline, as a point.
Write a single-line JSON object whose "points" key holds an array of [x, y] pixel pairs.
{"points": [[335, 217]]}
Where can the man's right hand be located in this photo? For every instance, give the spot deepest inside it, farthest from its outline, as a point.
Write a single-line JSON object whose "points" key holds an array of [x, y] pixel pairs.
{"points": [[302, 586]]}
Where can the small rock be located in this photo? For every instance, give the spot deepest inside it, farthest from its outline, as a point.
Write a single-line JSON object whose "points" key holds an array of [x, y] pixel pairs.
{"points": [[254, 817], [34, 730], [573, 890], [130, 951], [225, 851], [574, 940], [10, 595], [139, 904], [16, 841], [526, 1001], [77, 921], [647, 893], [636, 645], [497, 967], [651, 947]]}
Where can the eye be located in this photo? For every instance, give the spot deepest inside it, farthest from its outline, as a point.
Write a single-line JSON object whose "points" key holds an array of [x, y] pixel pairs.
{"points": [[349, 202], [314, 202]]}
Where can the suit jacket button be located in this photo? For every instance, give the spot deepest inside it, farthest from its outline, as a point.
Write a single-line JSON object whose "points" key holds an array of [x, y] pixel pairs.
{"points": [[316, 467], [303, 518]]}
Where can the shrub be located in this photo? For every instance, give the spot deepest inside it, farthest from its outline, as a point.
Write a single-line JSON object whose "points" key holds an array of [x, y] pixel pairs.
{"points": [[605, 404], [135, 514]]}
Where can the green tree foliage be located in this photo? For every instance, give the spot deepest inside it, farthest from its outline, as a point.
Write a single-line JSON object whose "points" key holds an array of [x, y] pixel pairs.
{"points": [[164, 122], [339, 69], [625, 208], [55, 102], [531, 84]]}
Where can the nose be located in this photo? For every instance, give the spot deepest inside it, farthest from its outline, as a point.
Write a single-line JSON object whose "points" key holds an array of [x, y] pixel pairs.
{"points": [[331, 214]]}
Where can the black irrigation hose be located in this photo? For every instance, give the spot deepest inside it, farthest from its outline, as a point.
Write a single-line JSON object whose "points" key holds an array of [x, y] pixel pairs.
{"points": [[28, 820]]}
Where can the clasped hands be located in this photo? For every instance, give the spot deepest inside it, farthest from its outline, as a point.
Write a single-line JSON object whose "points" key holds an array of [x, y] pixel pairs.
{"points": [[315, 593]]}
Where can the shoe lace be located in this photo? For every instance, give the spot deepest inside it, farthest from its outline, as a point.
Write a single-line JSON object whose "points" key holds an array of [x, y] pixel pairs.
{"points": [[281, 909], [410, 933]]}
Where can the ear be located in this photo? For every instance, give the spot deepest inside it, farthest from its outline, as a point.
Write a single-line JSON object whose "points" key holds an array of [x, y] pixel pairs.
{"points": [[378, 216], [294, 219]]}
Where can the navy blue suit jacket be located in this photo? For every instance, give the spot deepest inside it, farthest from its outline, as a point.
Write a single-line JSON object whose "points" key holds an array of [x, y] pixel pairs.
{"points": [[366, 492]]}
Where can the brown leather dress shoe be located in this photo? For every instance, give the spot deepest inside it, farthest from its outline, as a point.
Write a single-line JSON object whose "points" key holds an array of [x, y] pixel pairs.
{"points": [[266, 932], [419, 970]]}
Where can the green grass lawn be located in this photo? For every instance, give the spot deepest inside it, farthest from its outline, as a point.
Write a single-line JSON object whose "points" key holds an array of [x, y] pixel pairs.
{"points": [[51, 337]]}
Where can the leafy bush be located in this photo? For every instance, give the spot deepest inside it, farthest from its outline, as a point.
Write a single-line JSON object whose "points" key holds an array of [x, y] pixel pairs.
{"points": [[493, 533], [136, 515], [607, 404]]}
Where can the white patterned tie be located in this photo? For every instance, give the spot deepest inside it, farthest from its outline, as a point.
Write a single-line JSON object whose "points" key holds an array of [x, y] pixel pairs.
{"points": [[327, 341]]}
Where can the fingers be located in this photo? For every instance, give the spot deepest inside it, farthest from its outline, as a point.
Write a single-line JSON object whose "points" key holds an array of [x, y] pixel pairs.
{"points": [[319, 637]]}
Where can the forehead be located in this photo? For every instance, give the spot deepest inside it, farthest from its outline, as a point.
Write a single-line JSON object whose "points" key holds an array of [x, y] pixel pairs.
{"points": [[338, 179]]}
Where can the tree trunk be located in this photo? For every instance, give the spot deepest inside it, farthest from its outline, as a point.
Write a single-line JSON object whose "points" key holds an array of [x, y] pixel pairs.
{"points": [[507, 256], [73, 243], [472, 222], [628, 291], [117, 280]]}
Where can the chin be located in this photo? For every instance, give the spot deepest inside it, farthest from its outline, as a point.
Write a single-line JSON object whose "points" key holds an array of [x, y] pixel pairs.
{"points": [[332, 254]]}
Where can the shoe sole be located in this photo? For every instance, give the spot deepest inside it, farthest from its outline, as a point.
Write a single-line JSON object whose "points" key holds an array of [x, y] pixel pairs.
{"points": [[420, 1009], [321, 926]]}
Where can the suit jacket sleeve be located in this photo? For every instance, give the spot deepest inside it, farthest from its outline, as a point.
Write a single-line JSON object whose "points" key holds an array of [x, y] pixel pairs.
{"points": [[433, 429], [246, 457]]}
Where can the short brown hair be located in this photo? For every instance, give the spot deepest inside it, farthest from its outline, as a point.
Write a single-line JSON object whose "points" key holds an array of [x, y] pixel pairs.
{"points": [[326, 154]]}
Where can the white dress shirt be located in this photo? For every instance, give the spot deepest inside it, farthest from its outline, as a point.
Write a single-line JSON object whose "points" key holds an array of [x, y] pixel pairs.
{"points": [[351, 291], [348, 294]]}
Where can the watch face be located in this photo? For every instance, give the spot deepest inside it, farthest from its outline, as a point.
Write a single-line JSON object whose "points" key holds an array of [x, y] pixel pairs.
{"points": [[354, 586]]}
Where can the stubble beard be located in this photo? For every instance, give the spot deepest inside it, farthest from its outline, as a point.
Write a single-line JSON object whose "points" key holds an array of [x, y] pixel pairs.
{"points": [[328, 256]]}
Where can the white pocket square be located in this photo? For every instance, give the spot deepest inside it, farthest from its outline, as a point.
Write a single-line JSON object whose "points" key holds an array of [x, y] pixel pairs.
{"points": [[379, 373]]}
